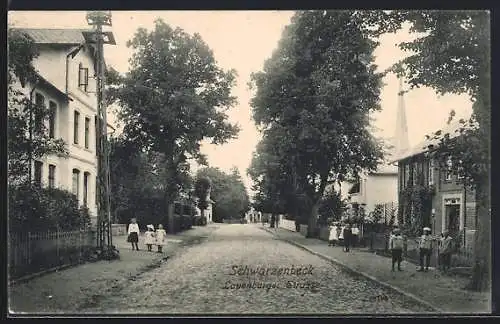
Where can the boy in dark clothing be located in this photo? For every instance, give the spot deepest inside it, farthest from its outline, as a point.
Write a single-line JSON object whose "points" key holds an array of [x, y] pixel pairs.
{"points": [[446, 250], [347, 237], [425, 245], [396, 244]]}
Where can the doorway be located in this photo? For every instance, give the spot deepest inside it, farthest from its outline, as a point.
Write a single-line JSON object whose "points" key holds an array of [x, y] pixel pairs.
{"points": [[452, 213]]}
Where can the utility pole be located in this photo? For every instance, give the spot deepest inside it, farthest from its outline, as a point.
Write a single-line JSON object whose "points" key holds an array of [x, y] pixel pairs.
{"points": [[97, 19]]}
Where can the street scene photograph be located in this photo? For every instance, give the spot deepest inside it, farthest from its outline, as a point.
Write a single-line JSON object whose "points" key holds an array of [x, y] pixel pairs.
{"points": [[242, 163]]}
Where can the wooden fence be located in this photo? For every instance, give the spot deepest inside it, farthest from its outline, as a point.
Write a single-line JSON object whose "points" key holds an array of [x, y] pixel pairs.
{"points": [[34, 252]]}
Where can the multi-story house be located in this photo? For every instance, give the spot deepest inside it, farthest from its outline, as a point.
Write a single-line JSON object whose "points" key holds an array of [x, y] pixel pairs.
{"points": [[67, 85], [373, 188], [450, 205]]}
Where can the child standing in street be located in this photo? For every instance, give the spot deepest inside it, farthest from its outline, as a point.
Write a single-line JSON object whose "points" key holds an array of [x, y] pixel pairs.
{"points": [[333, 237], [446, 250], [161, 238], [133, 234], [347, 237], [149, 237], [396, 244], [425, 245]]}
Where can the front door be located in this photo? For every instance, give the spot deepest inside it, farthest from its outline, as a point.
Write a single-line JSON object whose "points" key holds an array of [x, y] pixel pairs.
{"points": [[453, 219]]}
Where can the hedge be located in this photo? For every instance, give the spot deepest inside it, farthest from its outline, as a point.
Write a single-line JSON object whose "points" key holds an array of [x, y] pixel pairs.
{"points": [[36, 209]]}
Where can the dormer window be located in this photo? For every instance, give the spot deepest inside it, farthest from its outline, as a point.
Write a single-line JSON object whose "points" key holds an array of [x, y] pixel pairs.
{"points": [[83, 77]]}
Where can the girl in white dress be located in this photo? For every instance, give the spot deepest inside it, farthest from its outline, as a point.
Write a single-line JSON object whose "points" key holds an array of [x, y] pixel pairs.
{"points": [[149, 237], [333, 237], [161, 238]]}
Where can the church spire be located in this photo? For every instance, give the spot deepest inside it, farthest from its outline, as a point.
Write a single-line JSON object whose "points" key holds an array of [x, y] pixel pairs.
{"points": [[401, 136]]}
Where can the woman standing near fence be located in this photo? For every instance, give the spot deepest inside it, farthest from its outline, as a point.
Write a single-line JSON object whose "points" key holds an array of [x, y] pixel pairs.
{"points": [[133, 234]]}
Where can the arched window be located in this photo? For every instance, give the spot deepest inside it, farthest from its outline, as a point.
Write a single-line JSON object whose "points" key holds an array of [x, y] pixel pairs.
{"points": [[76, 183], [86, 178]]}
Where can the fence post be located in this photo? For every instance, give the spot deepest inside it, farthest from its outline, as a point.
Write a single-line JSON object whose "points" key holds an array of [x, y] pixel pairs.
{"points": [[57, 246], [80, 246], [28, 247]]}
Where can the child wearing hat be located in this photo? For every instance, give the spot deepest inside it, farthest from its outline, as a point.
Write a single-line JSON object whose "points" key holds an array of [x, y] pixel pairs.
{"points": [[446, 250], [149, 237], [396, 244], [161, 238], [425, 246], [133, 234]]}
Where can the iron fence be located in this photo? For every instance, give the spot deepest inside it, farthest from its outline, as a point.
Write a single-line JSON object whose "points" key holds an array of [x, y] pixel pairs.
{"points": [[31, 252]]}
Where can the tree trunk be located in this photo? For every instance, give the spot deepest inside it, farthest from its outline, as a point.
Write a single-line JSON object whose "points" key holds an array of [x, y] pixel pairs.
{"points": [[313, 220], [481, 271]]}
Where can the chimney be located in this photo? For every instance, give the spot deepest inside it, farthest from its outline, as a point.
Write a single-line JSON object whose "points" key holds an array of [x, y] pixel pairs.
{"points": [[401, 135]]}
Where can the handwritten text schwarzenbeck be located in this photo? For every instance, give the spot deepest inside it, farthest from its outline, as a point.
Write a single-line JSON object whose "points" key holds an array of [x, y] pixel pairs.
{"points": [[244, 270]]}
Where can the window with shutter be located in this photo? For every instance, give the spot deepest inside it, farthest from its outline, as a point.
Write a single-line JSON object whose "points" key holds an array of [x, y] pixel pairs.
{"points": [[83, 77]]}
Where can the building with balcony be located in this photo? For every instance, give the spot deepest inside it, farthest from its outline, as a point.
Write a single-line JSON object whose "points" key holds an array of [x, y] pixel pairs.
{"points": [[66, 84]]}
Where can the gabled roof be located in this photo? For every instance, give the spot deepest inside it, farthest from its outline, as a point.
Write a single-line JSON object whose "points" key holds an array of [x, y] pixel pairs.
{"points": [[54, 36], [65, 36], [453, 129], [61, 36]]}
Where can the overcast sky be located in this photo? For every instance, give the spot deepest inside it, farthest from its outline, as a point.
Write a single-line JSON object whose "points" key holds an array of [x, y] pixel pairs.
{"points": [[243, 40]]}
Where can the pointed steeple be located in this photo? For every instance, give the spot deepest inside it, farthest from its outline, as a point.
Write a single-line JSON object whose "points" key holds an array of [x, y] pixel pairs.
{"points": [[401, 136]]}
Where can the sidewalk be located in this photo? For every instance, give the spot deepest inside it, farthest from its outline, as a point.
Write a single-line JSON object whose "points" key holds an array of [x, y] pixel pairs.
{"points": [[444, 293], [74, 289]]}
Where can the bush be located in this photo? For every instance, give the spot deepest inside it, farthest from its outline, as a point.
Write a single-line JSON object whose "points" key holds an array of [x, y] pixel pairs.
{"points": [[35, 209]]}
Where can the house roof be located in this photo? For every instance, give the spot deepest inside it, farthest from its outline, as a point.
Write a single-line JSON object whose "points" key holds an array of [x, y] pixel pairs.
{"points": [[61, 36], [52, 86], [65, 36], [453, 129]]}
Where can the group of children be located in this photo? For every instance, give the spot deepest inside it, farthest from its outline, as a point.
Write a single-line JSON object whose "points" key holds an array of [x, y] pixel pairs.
{"points": [[151, 237], [344, 235], [425, 245]]}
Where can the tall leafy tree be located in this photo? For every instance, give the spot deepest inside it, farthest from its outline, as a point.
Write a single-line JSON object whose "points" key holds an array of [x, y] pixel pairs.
{"points": [[452, 54], [173, 97], [202, 189], [320, 86], [24, 115]]}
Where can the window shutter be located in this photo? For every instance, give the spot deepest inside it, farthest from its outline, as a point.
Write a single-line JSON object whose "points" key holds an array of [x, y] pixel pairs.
{"points": [[86, 78], [80, 75]]}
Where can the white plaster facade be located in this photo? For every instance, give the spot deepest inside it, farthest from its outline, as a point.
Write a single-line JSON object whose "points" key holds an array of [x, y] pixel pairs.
{"points": [[375, 188], [62, 72]]}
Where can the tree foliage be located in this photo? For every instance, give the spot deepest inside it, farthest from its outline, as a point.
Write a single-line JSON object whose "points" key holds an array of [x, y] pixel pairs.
{"points": [[173, 97], [453, 55], [228, 191], [21, 72], [202, 189], [137, 182], [315, 95], [331, 206]]}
